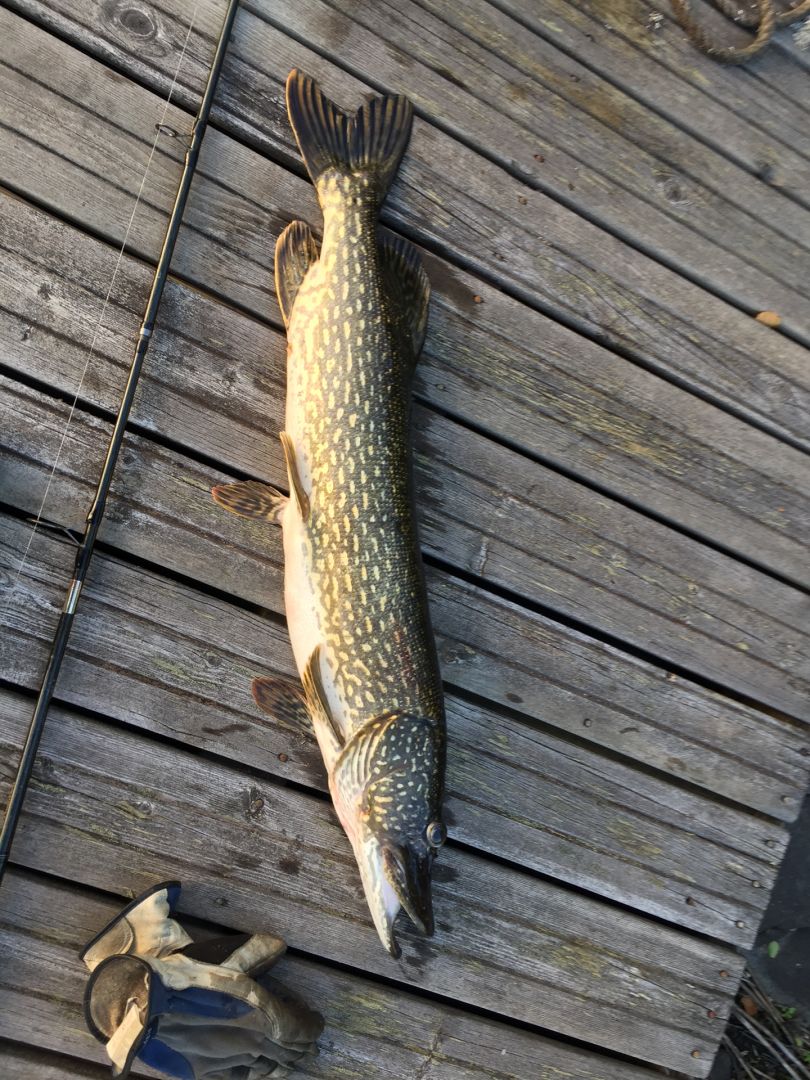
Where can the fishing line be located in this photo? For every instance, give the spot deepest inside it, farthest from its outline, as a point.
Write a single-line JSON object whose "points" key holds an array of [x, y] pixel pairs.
{"points": [[161, 128], [95, 515]]}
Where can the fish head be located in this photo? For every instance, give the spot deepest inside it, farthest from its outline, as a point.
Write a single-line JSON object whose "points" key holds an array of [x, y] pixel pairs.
{"points": [[387, 788]]}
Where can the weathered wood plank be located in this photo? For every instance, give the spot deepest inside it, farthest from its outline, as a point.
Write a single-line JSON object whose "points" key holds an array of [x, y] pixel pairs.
{"points": [[461, 1067], [648, 440], [373, 1032], [761, 128], [102, 810], [789, 47], [153, 653], [555, 259], [582, 687], [165, 515], [622, 438], [214, 376], [21, 1063], [782, 66], [621, 189], [507, 86], [778, 72]]}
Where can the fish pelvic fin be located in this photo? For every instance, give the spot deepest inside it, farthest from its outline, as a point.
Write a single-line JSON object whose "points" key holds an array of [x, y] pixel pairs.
{"points": [[370, 143], [330, 736], [284, 702], [250, 499], [296, 483], [296, 251], [407, 286]]}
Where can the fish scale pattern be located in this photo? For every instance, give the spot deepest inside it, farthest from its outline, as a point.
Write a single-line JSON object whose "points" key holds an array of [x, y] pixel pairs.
{"points": [[349, 370]]}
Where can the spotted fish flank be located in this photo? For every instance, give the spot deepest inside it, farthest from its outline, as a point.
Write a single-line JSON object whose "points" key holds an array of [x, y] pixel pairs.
{"points": [[355, 597]]}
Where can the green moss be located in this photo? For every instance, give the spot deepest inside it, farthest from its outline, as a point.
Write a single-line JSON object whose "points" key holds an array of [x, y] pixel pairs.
{"points": [[173, 668], [579, 957], [625, 832]]}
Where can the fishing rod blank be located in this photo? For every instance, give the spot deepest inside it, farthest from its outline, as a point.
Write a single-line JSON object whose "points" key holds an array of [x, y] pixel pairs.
{"points": [[96, 513]]}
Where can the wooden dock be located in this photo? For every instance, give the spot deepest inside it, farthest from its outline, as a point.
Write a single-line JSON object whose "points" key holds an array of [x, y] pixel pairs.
{"points": [[613, 486]]}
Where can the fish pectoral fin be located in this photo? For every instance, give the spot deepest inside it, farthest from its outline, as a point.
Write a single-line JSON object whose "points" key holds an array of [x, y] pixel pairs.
{"points": [[296, 251], [319, 707], [284, 701], [296, 485], [250, 499], [407, 286]]}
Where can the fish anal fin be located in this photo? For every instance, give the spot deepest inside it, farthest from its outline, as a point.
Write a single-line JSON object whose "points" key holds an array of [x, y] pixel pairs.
{"points": [[330, 735], [296, 251], [296, 484], [250, 499], [284, 701], [407, 285]]}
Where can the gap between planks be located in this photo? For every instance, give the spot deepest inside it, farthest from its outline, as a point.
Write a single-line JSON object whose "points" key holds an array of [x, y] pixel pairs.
{"points": [[753, 125], [353, 1046], [630, 984], [277, 142], [602, 564], [626, 440], [570, 813], [317, 25]]}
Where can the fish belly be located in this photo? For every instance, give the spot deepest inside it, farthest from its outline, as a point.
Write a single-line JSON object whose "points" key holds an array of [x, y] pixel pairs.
{"points": [[302, 603]]}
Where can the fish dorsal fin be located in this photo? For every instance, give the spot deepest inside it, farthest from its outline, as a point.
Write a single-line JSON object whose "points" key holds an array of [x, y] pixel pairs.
{"points": [[369, 143], [407, 285], [296, 251]]}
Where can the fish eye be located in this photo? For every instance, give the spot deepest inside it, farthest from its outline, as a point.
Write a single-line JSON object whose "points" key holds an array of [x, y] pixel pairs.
{"points": [[436, 834]]}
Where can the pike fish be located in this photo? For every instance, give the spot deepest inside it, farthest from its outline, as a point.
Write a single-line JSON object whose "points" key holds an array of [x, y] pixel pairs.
{"points": [[356, 314]]}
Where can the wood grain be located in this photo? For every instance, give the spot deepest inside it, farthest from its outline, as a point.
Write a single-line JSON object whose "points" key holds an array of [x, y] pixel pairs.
{"points": [[760, 126], [502, 229], [478, 73], [117, 811], [373, 1032], [583, 738], [650, 443], [23, 1062], [214, 384], [770, 95], [159, 656], [161, 510]]}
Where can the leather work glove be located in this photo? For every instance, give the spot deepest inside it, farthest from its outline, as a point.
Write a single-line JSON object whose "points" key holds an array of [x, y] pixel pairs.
{"points": [[205, 1010]]}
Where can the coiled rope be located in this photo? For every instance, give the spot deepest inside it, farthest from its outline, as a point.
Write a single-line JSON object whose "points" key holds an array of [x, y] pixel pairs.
{"points": [[764, 21]]}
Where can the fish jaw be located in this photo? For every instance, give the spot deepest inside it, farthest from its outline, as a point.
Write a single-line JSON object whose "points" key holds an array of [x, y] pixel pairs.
{"points": [[394, 878], [408, 872], [382, 900]]}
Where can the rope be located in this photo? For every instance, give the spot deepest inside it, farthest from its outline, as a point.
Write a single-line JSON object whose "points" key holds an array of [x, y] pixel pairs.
{"points": [[749, 20], [764, 21]]}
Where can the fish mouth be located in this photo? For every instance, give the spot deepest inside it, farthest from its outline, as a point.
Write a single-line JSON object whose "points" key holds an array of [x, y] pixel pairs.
{"points": [[395, 877], [408, 872]]}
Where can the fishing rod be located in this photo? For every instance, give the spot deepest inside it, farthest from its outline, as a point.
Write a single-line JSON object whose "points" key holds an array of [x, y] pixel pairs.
{"points": [[96, 513]]}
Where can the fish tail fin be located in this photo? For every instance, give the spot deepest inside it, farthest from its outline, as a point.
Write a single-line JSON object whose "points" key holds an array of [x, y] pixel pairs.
{"points": [[370, 143]]}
